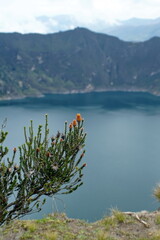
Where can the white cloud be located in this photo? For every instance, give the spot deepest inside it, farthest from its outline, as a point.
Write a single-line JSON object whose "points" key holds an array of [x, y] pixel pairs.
{"points": [[22, 15], [118, 9]]}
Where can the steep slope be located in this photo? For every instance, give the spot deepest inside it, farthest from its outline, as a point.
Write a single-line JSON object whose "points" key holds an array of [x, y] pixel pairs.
{"points": [[76, 60]]}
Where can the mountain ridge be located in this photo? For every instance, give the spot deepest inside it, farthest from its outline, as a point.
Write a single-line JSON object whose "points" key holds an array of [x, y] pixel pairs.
{"points": [[133, 29], [76, 60]]}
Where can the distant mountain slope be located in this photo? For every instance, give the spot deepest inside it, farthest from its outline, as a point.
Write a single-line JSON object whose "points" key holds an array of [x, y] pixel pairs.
{"points": [[136, 29], [76, 60]]}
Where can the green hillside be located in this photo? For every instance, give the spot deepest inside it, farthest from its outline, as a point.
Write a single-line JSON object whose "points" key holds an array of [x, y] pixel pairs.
{"points": [[76, 60]]}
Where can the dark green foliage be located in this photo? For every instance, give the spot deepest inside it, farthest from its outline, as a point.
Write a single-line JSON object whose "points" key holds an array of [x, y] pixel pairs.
{"points": [[76, 60], [46, 167]]}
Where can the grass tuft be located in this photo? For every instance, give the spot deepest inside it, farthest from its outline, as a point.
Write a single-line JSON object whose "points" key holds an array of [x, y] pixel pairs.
{"points": [[104, 236], [157, 220], [156, 192], [120, 217], [109, 222], [50, 236]]}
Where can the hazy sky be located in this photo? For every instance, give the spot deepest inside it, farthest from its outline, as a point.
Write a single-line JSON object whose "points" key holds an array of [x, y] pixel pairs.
{"points": [[21, 15]]}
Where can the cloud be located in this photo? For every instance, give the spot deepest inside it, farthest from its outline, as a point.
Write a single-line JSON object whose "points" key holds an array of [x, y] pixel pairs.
{"points": [[23, 16], [115, 9]]}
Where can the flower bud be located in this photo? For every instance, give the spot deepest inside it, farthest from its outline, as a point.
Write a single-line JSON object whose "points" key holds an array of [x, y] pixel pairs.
{"points": [[78, 117], [16, 167], [74, 123], [48, 154], [82, 155], [52, 139], [58, 134], [63, 136], [55, 166], [9, 170], [14, 150]]}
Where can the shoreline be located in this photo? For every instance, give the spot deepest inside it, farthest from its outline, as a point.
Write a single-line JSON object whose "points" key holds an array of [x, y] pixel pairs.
{"points": [[42, 95]]}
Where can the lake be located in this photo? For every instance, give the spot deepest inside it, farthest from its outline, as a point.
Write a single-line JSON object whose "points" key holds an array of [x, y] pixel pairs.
{"points": [[122, 148]]}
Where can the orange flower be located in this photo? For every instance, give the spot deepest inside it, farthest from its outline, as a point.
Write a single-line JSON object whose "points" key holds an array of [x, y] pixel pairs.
{"points": [[70, 125], [78, 117], [74, 123]]}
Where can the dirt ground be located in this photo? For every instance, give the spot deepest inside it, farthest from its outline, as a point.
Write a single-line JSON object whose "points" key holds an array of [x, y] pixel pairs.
{"points": [[119, 226]]}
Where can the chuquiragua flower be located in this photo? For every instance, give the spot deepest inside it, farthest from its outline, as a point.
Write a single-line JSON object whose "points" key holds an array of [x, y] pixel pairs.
{"points": [[74, 123], [78, 117]]}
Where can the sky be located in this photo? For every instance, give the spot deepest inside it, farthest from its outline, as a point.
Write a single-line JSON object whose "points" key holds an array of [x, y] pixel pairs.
{"points": [[24, 15]]}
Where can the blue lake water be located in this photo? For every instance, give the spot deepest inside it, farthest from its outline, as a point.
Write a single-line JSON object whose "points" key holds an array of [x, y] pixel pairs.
{"points": [[122, 148]]}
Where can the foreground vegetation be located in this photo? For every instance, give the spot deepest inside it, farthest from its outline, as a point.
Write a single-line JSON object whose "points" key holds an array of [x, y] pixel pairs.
{"points": [[118, 226], [46, 166]]}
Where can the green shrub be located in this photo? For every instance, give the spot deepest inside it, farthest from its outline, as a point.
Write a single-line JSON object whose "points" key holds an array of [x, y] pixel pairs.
{"points": [[46, 166]]}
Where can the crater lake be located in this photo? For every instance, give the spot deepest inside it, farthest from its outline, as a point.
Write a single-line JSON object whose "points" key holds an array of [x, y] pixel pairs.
{"points": [[122, 148]]}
